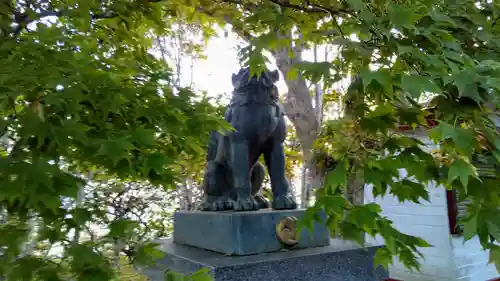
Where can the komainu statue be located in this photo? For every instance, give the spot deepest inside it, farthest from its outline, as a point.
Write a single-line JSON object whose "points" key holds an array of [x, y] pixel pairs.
{"points": [[234, 176]]}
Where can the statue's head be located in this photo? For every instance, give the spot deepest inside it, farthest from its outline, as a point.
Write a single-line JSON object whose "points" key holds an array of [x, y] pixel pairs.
{"points": [[242, 79]]}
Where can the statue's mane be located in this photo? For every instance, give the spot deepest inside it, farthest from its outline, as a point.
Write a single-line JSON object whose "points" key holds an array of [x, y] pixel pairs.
{"points": [[261, 87], [243, 80]]}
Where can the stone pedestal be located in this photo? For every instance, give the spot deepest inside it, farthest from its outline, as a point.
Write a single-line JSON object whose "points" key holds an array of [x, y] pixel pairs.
{"points": [[242, 233], [244, 246], [339, 261]]}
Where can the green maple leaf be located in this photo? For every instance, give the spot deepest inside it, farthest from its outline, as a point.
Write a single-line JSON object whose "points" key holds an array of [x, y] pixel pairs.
{"points": [[175, 276], [417, 85], [356, 4], [464, 139], [314, 71], [382, 77], [470, 227], [409, 190], [462, 170], [334, 204], [201, 275], [465, 81], [351, 231], [121, 227], [156, 161], [147, 253], [364, 217], [115, 148], [493, 83], [383, 257], [143, 137], [338, 177], [494, 226], [495, 256], [402, 16], [442, 18]]}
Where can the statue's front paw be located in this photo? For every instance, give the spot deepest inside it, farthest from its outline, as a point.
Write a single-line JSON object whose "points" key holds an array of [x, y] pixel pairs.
{"points": [[262, 201], [216, 204], [223, 204], [245, 204], [284, 202], [206, 206]]}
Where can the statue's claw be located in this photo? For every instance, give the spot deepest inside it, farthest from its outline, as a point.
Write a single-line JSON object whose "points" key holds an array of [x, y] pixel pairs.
{"points": [[223, 204], [262, 202], [205, 206], [246, 204], [284, 202]]}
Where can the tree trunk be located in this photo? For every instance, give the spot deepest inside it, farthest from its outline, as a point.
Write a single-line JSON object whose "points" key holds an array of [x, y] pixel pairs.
{"points": [[356, 184], [186, 197], [318, 93], [355, 189], [30, 246], [304, 199], [299, 109], [117, 249], [80, 197]]}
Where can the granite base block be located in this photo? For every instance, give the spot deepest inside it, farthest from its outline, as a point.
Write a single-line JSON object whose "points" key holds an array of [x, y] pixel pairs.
{"points": [[241, 233], [340, 261]]}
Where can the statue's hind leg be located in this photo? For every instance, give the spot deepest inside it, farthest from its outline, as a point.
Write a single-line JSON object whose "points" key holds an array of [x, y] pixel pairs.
{"points": [[257, 179], [240, 164], [215, 188], [210, 187], [274, 155]]}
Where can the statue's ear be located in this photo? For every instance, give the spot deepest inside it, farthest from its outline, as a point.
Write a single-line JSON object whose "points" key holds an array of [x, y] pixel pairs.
{"points": [[234, 79], [275, 75]]}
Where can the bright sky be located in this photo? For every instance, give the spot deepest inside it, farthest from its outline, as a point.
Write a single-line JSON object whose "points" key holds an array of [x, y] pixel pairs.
{"points": [[213, 74]]}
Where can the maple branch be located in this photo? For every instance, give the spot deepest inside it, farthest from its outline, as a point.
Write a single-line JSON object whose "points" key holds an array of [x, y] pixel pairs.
{"points": [[238, 30], [306, 7], [314, 8], [338, 27], [241, 32], [22, 19], [495, 21], [310, 8]]}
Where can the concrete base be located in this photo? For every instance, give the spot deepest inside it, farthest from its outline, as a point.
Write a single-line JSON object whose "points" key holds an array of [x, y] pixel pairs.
{"points": [[340, 261], [241, 233]]}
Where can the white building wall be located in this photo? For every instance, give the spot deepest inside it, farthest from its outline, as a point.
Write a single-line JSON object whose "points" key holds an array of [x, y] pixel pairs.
{"points": [[470, 261], [428, 221], [450, 259]]}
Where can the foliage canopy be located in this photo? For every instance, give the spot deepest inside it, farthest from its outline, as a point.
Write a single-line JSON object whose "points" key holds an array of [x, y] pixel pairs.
{"points": [[405, 56], [82, 93]]}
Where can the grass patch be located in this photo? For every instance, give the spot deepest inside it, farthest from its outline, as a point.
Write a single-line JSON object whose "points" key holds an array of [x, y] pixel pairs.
{"points": [[128, 273]]}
